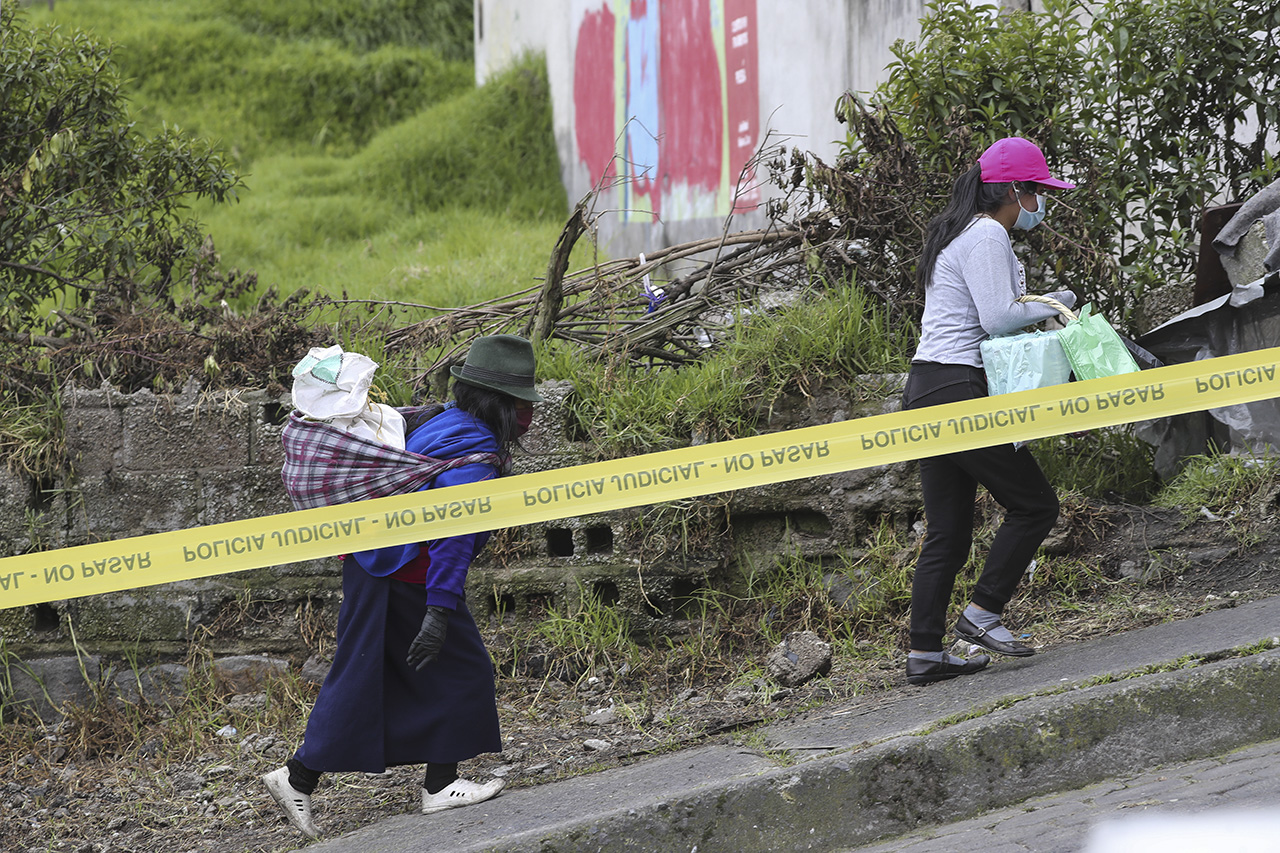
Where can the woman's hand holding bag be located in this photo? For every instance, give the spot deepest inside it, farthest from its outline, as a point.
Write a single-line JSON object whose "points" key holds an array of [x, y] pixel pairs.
{"points": [[1087, 346], [1028, 360], [1094, 348]]}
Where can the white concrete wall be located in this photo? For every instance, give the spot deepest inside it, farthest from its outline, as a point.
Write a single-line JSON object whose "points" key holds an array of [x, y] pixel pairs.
{"points": [[806, 53]]}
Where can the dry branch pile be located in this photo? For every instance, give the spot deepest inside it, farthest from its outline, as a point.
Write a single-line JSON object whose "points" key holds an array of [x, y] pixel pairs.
{"points": [[828, 223], [860, 218]]}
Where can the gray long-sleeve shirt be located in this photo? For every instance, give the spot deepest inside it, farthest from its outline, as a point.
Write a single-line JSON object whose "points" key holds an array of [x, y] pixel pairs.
{"points": [[976, 282]]}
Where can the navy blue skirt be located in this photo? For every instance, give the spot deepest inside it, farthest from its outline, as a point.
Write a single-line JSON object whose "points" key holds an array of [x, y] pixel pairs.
{"points": [[374, 711]]}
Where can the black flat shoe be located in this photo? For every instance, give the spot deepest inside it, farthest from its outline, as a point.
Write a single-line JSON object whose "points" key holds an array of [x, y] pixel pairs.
{"points": [[921, 671], [978, 636]]}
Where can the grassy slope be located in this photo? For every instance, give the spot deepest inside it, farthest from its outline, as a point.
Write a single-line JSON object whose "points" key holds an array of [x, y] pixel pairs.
{"points": [[373, 164]]}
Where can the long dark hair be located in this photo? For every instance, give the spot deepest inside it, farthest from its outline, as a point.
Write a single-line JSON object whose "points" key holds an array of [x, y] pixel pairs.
{"points": [[495, 409], [969, 197]]}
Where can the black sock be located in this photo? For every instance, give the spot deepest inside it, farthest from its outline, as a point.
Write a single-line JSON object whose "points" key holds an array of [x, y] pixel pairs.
{"points": [[439, 777], [301, 777]]}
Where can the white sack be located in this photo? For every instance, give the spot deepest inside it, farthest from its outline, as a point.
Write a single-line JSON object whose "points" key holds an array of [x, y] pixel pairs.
{"points": [[332, 386]]}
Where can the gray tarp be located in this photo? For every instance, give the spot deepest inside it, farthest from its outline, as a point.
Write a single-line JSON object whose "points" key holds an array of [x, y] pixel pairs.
{"points": [[1207, 331], [1247, 318]]}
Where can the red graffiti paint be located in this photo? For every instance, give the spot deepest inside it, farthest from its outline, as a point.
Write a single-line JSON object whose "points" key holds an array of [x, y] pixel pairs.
{"points": [[593, 93], [692, 124], [743, 97]]}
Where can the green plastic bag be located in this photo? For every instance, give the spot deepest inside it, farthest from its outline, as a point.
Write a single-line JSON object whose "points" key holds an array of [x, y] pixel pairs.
{"points": [[1094, 348]]}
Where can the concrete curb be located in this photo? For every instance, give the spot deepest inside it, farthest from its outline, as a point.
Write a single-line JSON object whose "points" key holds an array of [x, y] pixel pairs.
{"points": [[890, 762], [1041, 745]]}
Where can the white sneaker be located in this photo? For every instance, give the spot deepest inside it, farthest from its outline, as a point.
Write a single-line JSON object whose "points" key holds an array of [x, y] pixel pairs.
{"points": [[460, 792], [296, 805]]}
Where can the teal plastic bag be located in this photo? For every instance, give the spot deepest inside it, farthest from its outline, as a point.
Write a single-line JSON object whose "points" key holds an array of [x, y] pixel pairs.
{"points": [[1094, 348], [1025, 361]]}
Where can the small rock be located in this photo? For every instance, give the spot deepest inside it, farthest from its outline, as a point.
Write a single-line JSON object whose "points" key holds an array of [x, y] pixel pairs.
{"points": [[227, 732], [44, 685], [257, 743], [187, 781], [247, 673], [603, 717], [536, 769], [596, 745], [161, 684], [801, 656], [247, 701], [218, 770], [315, 670]]}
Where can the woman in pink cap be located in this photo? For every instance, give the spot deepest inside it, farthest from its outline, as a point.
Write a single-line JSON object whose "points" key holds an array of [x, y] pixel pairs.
{"points": [[972, 282]]}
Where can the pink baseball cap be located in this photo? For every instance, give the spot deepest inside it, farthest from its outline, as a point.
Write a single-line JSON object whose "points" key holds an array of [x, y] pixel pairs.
{"points": [[1017, 159]]}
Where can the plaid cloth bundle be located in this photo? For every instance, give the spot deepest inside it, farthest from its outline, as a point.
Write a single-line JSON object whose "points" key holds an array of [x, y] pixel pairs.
{"points": [[324, 465]]}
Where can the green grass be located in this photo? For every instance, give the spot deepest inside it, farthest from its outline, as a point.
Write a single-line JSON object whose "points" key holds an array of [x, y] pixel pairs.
{"points": [[32, 439], [1240, 492], [621, 407], [374, 166], [199, 67], [442, 25], [1224, 485], [445, 258], [1104, 464], [458, 204], [590, 635]]}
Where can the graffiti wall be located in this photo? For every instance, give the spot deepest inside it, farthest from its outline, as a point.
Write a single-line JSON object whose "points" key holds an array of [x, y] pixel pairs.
{"points": [[663, 103], [666, 105]]}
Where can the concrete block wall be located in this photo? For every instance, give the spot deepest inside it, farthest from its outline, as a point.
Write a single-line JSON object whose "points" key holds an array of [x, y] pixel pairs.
{"points": [[145, 463]]}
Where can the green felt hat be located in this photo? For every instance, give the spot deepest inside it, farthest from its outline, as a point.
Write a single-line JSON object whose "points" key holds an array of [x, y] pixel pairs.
{"points": [[500, 363]]}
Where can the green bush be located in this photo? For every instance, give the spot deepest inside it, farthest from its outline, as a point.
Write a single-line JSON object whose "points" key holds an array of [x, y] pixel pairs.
{"points": [[1156, 110], [622, 407], [94, 214]]}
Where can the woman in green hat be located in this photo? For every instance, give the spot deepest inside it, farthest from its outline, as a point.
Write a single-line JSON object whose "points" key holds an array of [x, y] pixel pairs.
{"points": [[412, 682]]}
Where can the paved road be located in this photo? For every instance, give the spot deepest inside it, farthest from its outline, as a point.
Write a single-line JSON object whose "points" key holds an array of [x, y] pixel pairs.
{"points": [[1227, 804]]}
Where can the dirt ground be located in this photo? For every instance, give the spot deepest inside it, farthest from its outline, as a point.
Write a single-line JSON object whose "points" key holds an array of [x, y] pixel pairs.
{"points": [[55, 798]]}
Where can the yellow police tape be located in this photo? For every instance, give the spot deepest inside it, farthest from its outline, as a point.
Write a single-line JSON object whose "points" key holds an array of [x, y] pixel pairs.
{"points": [[653, 478]]}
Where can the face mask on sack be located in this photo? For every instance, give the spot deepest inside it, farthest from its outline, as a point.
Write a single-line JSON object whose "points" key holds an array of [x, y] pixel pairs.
{"points": [[1028, 219]]}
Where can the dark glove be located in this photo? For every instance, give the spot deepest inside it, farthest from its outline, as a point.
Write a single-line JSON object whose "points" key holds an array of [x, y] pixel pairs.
{"points": [[426, 646]]}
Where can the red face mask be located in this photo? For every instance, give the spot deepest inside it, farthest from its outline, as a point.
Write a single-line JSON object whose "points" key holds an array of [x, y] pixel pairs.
{"points": [[524, 417]]}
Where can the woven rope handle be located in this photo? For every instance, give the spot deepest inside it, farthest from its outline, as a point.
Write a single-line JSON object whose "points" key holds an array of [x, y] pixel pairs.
{"points": [[1050, 301]]}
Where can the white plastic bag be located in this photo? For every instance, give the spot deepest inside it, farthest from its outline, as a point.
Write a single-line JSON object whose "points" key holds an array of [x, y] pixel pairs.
{"points": [[332, 386], [1025, 361]]}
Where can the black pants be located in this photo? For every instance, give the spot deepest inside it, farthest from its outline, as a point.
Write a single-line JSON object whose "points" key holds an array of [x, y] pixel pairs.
{"points": [[949, 485]]}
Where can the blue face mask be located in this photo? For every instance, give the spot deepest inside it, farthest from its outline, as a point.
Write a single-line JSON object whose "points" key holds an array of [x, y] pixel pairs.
{"points": [[1028, 219]]}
